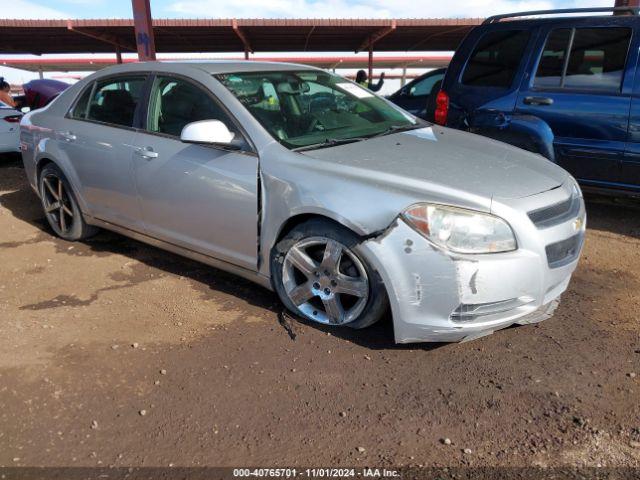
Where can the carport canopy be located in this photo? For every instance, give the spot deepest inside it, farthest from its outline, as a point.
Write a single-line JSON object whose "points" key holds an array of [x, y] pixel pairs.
{"points": [[235, 35]]}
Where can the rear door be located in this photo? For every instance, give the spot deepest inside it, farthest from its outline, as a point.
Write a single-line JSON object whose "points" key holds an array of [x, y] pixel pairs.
{"points": [[97, 135], [199, 197], [580, 90]]}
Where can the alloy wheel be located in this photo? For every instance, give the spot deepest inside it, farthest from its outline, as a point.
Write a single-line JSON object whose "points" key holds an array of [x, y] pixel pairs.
{"points": [[325, 280], [57, 204]]}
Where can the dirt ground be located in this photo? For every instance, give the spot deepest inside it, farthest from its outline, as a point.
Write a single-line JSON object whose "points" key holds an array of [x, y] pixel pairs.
{"points": [[116, 353]]}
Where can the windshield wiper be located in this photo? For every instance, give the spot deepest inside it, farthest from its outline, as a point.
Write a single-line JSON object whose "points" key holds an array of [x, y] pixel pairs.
{"points": [[329, 142], [395, 129]]}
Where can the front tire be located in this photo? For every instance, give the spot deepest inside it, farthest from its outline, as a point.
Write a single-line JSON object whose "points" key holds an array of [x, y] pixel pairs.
{"points": [[319, 275], [60, 205]]}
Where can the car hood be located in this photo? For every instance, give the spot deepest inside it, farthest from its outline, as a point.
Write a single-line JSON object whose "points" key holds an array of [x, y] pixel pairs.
{"points": [[453, 159]]}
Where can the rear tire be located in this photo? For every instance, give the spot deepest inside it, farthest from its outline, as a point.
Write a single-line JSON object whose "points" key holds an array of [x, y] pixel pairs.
{"points": [[61, 207], [319, 274]]}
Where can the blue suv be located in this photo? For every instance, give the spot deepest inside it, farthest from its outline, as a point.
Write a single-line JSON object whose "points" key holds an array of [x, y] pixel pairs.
{"points": [[564, 87]]}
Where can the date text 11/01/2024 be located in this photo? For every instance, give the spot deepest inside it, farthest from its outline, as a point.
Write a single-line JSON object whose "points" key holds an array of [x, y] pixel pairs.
{"points": [[315, 472]]}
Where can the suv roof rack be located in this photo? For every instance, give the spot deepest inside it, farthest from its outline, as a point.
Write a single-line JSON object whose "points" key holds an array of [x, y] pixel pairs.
{"points": [[497, 18]]}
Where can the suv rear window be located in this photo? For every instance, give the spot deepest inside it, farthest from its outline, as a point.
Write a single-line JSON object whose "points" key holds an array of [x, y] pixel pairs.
{"points": [[495, 60], [596, 60]]}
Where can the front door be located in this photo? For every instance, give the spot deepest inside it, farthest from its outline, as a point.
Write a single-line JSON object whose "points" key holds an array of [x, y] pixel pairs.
{"points": [[199, 197], [97, 136], [581, 91], [631, 162]]}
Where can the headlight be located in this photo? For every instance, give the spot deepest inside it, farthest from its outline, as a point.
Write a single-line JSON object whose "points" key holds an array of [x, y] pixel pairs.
{"points": [[576, 192], [461, 230]]}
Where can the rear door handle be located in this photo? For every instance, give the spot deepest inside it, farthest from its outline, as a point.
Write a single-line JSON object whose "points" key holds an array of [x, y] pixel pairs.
{"points": [[538, 101], [68, 136], [146, 152]]}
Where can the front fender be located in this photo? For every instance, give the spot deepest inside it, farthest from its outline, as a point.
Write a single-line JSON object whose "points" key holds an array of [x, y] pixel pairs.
{"points": [[525, 131]]}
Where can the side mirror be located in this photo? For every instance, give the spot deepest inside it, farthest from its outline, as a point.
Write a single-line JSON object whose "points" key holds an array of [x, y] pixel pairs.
{"points": [[25, 109], [208, 132]]}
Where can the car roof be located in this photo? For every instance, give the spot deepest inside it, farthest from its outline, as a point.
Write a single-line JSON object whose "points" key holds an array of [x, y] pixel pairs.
{"points": [[577, 19], [209, 66]]}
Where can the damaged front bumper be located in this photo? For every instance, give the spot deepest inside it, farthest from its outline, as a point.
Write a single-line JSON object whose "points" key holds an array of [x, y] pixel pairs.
{"points": [[439, 296]]}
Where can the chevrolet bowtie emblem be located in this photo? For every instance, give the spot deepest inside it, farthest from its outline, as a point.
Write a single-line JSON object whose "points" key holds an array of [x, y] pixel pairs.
{"points": [[577, 224]]}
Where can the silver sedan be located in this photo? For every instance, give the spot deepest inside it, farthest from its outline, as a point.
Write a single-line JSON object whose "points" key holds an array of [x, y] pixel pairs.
{"points": [[312, 186]]}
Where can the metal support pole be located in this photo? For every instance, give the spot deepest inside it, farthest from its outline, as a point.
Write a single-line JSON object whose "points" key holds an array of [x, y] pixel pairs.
{"points": [[246, 53], [371, 61], [40, 74], [145, 40], [118, 54], [403, 80]]}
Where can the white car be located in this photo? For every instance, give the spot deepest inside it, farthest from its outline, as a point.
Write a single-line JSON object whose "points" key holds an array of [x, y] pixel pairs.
{"points": [[9, 129]]}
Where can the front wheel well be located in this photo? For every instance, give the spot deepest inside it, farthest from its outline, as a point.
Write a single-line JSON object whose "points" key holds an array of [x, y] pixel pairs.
{"points": [[299, 219]]}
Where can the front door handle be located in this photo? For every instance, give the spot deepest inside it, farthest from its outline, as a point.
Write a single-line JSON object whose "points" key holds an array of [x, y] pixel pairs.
{"points": [[146, 152], [538, 100], [68, 136]]}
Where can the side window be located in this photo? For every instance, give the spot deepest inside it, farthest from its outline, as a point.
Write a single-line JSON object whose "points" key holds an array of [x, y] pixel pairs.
{"points": [[175, 103], [114, 100], [424, 87], [80, 108], [495, 60], [596, 61], [597, 58], [551, 64]]}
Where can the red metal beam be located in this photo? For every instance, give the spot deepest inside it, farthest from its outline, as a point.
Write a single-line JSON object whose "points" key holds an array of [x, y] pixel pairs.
{"points": [[374, 37], [627, 3], [103, 37], [243, 38], [143, 26]]}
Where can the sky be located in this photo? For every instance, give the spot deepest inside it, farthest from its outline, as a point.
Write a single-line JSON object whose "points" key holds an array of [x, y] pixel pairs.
{"points": [[63, 9]]}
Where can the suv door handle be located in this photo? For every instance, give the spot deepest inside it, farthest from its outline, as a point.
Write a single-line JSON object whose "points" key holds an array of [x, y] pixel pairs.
{"points": [[538, 101], [68, 136], [146, 152]]}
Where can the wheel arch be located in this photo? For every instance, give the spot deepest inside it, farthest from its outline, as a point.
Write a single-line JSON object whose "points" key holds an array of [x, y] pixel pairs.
{"points": [[40, 164], [44, 160], [525, 131], [299, 217], [271, 235]]}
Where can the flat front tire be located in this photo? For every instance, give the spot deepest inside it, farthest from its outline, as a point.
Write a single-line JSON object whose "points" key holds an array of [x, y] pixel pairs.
{"points": [[319, 274]]}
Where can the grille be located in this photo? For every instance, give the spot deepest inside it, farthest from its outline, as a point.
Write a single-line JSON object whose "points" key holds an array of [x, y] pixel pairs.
{"points": [[564, 252], [555, 214]]}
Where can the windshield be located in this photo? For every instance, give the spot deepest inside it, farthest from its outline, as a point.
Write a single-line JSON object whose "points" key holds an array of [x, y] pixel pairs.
{"points": [[314, 108]]}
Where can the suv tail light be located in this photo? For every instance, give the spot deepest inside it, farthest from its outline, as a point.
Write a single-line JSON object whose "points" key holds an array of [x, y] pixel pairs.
{"points": [[13, 118], [442, 108]]}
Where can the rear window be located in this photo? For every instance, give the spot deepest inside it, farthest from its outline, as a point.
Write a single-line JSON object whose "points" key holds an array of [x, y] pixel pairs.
{"points": [[114, 100], [79, 111], [495, 60], [596, 59]]}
